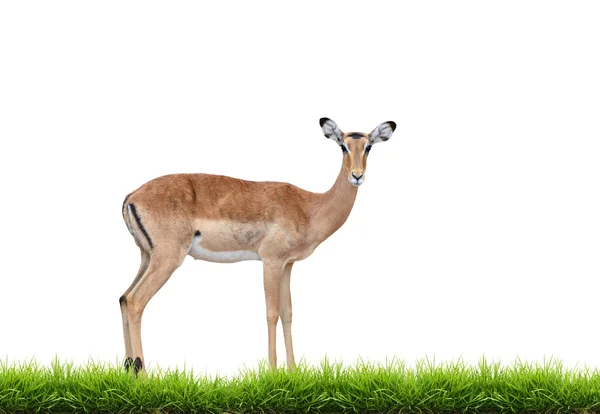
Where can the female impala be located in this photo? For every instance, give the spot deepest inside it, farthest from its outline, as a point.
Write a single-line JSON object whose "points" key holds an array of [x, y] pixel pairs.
{"points": [[223, 219]]}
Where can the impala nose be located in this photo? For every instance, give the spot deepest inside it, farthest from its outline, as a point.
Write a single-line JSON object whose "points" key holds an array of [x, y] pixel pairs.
{"points": [[357, 177]]}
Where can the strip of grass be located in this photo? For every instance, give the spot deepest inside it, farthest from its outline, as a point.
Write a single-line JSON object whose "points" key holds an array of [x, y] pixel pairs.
{"points": [[328, 388]]}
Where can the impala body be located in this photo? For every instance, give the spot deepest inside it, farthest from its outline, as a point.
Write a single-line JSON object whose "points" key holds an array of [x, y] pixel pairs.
{"points": [[224, 219]]}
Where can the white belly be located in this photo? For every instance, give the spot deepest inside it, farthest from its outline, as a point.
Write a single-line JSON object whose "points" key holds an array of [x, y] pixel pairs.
{"points": [[200, 253]]}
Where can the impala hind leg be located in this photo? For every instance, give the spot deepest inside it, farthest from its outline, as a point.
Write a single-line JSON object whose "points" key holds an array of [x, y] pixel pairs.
{"points": [[123, 303], [160, 268], [285, 313]]}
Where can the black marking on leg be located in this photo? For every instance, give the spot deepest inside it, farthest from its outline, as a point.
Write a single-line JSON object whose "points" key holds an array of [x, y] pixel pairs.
{"points": [[139, 223], [137, 365], [122, 300], [128, 363], [356, 135], [197, 234]]}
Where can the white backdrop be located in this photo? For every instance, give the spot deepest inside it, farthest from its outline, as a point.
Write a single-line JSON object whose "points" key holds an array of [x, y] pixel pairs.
{"points": [[477, 230]]}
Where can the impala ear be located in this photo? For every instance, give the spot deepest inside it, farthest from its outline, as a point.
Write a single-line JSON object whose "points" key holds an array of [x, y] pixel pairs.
{"points": [[331, 130], [383, 132]]}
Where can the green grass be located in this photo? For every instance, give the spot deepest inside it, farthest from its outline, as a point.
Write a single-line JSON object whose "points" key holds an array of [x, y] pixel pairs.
{"points": [[425, 387]]}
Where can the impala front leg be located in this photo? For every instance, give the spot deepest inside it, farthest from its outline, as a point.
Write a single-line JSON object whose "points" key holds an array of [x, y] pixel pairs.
{"points": [[273, 271], [285, 312]]}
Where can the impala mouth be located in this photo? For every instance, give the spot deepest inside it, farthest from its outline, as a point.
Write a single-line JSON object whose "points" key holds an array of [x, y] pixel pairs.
{"points": [[356, 182]]}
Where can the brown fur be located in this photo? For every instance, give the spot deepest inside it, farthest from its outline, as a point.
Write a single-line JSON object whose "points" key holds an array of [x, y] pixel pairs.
{"points": [[278, 222]]}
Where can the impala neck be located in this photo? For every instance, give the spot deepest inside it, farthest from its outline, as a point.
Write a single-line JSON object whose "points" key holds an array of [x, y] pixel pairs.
{"points": [[332, 208]]}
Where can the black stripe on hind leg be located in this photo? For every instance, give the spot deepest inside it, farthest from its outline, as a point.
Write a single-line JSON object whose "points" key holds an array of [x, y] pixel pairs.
{"points": [[139, 223]]}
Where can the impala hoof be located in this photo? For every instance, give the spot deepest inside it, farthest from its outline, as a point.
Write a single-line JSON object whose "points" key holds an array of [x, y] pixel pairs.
{"points": [[137, 366], [128, 363]]}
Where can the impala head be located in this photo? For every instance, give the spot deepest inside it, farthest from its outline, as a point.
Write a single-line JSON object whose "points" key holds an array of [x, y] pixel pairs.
{"points": [[356, 146]]}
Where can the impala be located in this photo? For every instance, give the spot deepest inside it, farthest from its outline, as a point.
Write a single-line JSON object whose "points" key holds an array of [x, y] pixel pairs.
{"points": [[223, 219]]}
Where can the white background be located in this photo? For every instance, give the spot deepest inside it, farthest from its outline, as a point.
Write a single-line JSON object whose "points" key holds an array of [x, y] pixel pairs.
{"points": [[477, 230]]}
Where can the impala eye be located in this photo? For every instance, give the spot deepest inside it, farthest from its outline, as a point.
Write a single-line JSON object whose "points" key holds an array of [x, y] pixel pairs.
{"points": [[344, 149], [367, 149]]}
